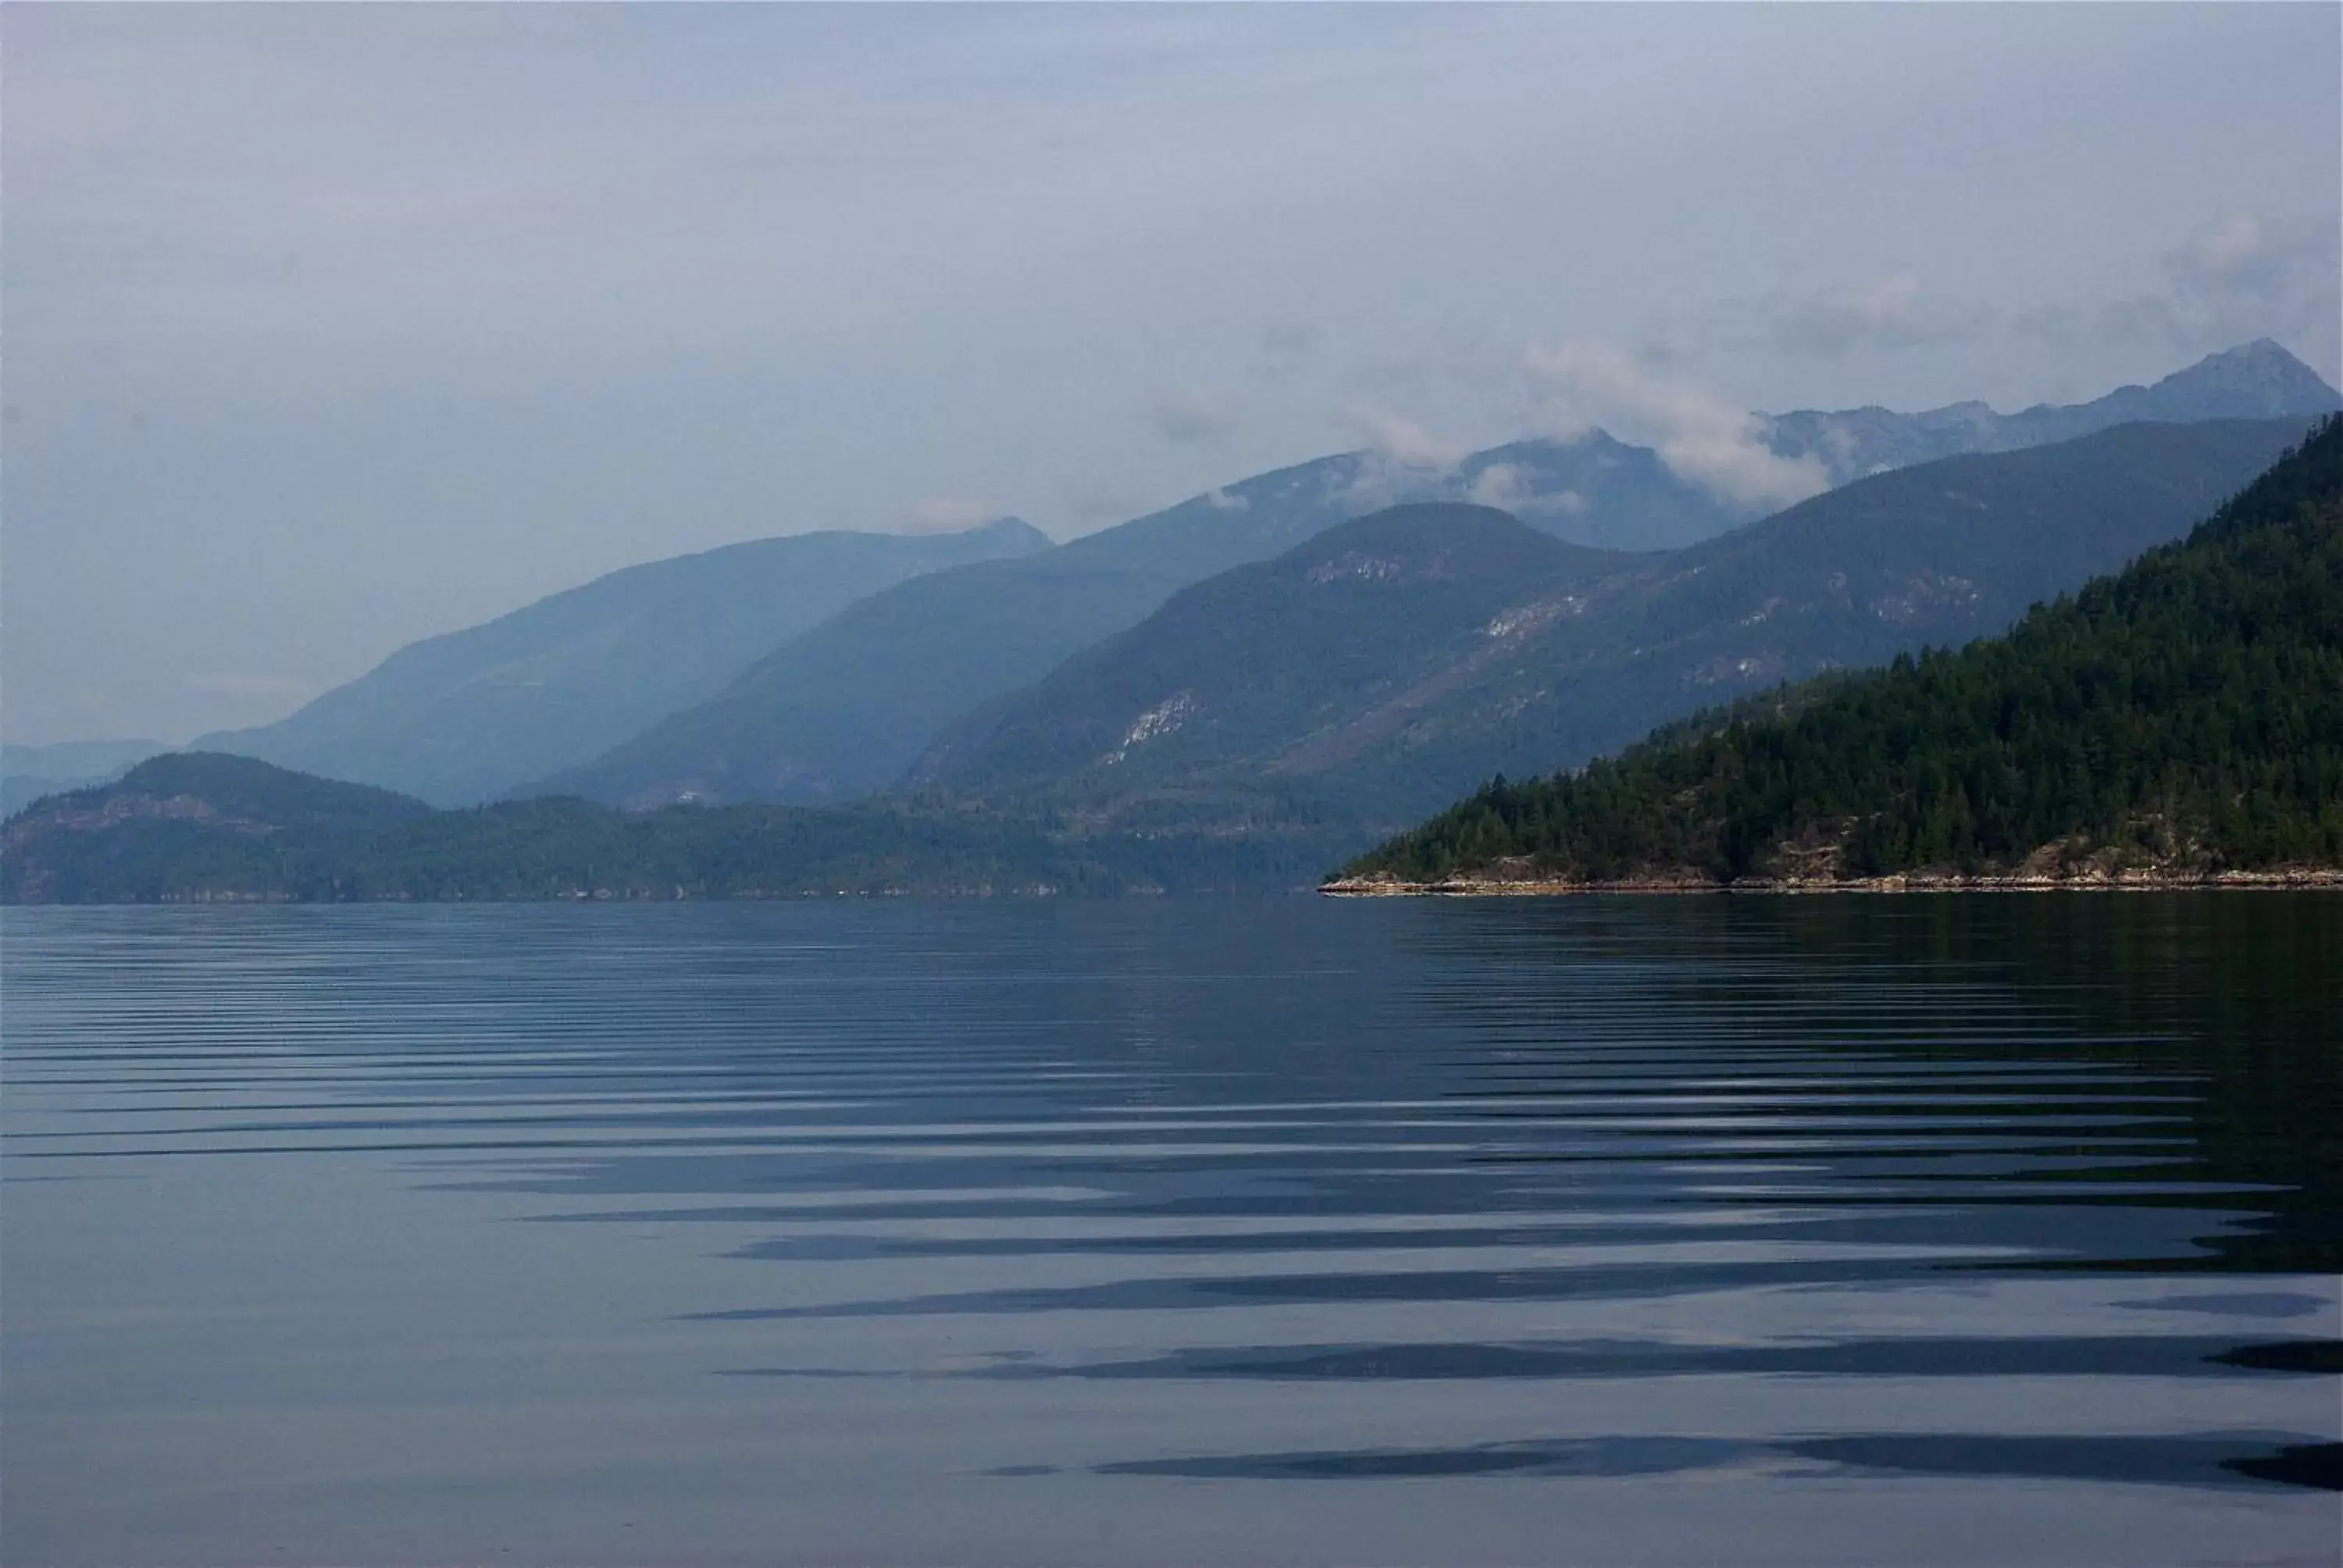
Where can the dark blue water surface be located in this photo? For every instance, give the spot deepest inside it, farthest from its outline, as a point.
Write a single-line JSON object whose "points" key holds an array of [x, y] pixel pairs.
{"points": [[1770, 1230]]}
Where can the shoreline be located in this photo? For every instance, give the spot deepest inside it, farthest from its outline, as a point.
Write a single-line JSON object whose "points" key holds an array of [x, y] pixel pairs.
{"points": [[2294, 878]]}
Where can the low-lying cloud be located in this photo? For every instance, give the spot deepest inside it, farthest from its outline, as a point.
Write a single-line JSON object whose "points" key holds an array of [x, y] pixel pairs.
{"points": [[947, 515], [2270, 263], [1502, 486], [2246, 277], [1704, 438], [1190, 416], [1285, 347], [1403, 440], [1891, 313]]}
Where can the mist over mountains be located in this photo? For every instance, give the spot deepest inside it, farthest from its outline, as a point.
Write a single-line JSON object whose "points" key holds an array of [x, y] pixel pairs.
{"points": [[843, 710], [1315, 698], [1389, 665], [822, 668], [846, 709], [2256, 380], [29, 772]]}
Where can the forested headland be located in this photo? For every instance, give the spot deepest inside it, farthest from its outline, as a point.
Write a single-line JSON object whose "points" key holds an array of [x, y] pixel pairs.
{"points": [[2181, 721]]}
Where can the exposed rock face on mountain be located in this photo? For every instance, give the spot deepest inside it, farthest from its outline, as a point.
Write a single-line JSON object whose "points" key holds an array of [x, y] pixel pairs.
{"points": [[459, 719], [1394, 663], [1241, 671], [2258, 381]]}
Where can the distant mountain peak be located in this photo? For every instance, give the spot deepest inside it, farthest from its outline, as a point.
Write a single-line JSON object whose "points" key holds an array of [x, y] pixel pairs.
{"points": [[2255, 380], [1010, 529], [2262, 367], [2259, 351]]}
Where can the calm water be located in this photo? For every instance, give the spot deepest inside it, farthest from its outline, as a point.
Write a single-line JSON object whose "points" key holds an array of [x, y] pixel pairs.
{"points": [[1992, 1231]]}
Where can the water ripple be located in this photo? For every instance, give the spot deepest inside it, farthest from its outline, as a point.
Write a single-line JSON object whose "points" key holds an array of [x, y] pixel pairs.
{"points": [[1818, 1194]]}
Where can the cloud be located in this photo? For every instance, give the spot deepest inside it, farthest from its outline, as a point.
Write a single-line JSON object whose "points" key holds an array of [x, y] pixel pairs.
{"points": [[2243, 277], [1221, 501], [1373, 479], [2260, 276], [1503, 486], [1704, 439], [1402, 441], [1190, 416], [2255, 259], [1499, 485], [1285, 345], [1892, 312], [947, 515]]}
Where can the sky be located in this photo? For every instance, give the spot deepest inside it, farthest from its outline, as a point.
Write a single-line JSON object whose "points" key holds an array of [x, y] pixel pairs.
{"points": [[332, 327]]}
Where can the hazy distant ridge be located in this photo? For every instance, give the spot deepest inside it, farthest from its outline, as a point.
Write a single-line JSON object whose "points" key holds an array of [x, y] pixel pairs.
{"points": [[820, 668], [459, 719], [847, 709], [1307, 695], [843, 710], [29, 772], [2256, 380]]}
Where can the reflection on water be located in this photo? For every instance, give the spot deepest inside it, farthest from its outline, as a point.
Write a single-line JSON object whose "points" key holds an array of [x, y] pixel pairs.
{"points": [[1801, 1230]]}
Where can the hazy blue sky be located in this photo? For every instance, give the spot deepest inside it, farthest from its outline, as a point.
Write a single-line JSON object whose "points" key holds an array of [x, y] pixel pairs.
{"points": [[331, 327]]}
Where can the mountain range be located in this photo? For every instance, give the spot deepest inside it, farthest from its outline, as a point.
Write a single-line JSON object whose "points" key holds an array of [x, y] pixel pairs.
{"points": [[850, 709], [2256, 380], [459, 719], [845, 709], [826, 668], [2187, 714], [1391, 663], [2179, 721]]}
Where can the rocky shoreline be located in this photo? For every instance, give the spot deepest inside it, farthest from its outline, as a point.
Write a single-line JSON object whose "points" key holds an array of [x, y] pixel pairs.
{"points": [[2137, 881]]}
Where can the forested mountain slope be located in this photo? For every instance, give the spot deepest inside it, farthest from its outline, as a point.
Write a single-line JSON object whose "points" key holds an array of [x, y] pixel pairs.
{"points": [[1231, 674], [200, 828], [2179, 720], [1372, 692], [29, 772], [188, 818]]}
